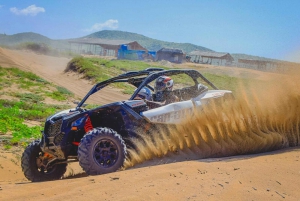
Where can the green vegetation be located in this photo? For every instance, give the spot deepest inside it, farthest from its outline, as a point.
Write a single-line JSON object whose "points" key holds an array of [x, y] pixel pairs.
{"points": [[38, 88], [28, 97], [21, 74], [60, 95], [13, 114], [26, 106], [100, 69]]}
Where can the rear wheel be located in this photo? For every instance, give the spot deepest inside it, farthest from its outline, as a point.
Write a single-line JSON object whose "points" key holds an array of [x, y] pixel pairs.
{"points": [[34, 166], [101, 151]]}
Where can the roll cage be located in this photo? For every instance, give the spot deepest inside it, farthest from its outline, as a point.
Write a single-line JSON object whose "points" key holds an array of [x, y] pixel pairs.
{"points": [[139, 79]]}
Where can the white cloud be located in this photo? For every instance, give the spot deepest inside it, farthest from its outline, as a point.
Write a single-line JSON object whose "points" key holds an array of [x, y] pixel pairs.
{"points": [[109, 24], [30, 10]]}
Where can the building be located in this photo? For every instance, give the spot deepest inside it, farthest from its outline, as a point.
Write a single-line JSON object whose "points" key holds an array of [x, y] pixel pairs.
{"points": [[103, 47], [267, 65], [168, 54], [212, 58]]}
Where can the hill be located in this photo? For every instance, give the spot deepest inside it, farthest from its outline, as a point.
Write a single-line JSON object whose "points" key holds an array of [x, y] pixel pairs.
{"points": [[23, 37], [148, 43], [15, 39]]}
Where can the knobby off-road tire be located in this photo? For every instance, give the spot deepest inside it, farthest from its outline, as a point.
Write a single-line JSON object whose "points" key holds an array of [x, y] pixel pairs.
{"points": [[32, 171], [101, 151]]}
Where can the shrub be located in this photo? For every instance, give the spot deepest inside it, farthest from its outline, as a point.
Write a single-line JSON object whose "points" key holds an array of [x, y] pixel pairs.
{"points": [[65, 91], [29, 97]]}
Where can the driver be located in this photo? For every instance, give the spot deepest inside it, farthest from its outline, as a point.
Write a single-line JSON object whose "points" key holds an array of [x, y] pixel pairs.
{"points": [[163, 88], [163, 93]]}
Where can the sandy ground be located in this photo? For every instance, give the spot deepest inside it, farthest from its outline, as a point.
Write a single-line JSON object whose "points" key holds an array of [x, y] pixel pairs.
{"points": [[266, 176], [51, 69], [269, 176]]}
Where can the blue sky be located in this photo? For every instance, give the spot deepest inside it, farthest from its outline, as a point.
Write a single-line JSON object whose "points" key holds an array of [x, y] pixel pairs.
{"points": [[268, 28]]}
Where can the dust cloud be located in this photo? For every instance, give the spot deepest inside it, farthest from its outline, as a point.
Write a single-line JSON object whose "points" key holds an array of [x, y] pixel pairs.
{"points": [[263, 117]]}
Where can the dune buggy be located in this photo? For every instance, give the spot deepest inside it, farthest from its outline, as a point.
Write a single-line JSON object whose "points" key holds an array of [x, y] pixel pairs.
{"points": [[99, 138]]}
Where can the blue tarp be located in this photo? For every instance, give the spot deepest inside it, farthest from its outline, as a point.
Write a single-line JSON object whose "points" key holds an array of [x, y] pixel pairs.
{"points": [[125, 53]]}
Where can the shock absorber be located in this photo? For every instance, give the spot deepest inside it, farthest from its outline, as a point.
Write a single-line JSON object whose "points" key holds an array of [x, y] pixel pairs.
{"points": [[88, 125]]}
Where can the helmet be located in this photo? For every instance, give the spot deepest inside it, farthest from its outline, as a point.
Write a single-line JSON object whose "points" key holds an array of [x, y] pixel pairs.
{"points": [[163, 83], [145, 93]]}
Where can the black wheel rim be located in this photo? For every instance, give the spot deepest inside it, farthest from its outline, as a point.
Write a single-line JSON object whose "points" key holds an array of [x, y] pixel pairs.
{"points": [[105, 153]]}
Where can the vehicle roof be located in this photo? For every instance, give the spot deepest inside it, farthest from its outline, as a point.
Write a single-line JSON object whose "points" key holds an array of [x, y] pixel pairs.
{"points": [[134, 78]]}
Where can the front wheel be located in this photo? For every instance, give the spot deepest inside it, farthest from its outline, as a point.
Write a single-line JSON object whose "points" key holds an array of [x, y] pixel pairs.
{"points": [[34, 168], [101, 151]]}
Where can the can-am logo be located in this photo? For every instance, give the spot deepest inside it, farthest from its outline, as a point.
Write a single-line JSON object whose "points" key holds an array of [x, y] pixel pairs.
{"points": [[218, 94], [172, 116]]}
